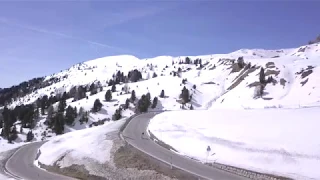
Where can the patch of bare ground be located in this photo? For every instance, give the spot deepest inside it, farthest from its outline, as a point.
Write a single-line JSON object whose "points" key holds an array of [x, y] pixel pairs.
{"points": [[302, 49], [226, 62], [304, 82], [75, 171], [283, 82], [305, 72], [244, 74], [213, 67], [254, 84], [267, 98], [270, 65], [271, 72], [209, 82]]}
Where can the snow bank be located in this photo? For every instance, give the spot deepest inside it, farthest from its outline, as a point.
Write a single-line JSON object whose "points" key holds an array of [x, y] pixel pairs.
{"points": [[5, 146], [2, 177], [79, 146], [278, 141]]}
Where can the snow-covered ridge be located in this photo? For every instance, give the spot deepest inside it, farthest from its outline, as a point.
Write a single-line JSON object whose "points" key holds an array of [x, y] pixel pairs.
{"points": [[286, 62]]}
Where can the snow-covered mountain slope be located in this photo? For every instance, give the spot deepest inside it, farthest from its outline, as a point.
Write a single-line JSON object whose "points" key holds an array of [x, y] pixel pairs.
{"points": [[221, 81], [289, 67]]}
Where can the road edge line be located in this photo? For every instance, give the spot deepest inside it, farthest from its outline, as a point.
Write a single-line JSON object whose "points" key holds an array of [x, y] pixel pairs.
{"points": [[155, 156], [5, 165]]}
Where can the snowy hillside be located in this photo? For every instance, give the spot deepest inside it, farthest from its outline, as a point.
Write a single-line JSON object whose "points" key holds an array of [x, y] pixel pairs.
{"points": [[218, 81], [244, 79], [295, 72]]}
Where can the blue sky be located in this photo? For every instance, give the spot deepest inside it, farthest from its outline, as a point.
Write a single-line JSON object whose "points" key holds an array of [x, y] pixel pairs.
{"points": [[39, 38]]}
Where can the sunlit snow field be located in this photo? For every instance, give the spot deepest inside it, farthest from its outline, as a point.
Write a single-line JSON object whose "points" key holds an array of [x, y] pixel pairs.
{"points": [[281, 141]]}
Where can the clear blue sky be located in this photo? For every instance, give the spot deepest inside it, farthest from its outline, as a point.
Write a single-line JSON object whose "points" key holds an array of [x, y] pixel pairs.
{"points": [[39, 38]]}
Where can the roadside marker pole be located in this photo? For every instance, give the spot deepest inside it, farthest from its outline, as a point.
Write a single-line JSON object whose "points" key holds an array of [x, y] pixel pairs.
{"points": [[208, 151]]}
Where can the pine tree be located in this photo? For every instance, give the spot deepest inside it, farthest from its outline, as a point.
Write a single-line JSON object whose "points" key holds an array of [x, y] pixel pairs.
{"points": [[50, 116], [65, 96], [36, 114], [185, 95], [111, 82], [117, 115], [184, 81], [28, 117], [30, 136], [81, 93], [137, 75], [188, 60], [73, 92], [262, 76], [84, 117], [43, 103], [154, 103], [92, 87], [62, 105], [126, 106], [70, 116], [81, 111], [108, 95], [191, 107], [113, 88], [75, 111], [58, 123], [154, 75], [162, 93], [143, 104], [97, 105], [148, 99], [13, 135], [133, 96], [240, 62]]}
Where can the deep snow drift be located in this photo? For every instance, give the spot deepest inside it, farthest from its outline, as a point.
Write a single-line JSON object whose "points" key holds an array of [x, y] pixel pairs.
{"points": [[276, 141], [85, 147]]}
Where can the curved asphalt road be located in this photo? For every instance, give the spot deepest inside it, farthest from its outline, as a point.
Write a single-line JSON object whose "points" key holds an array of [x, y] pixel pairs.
{"points": [[132, 134], [20, 165]]}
